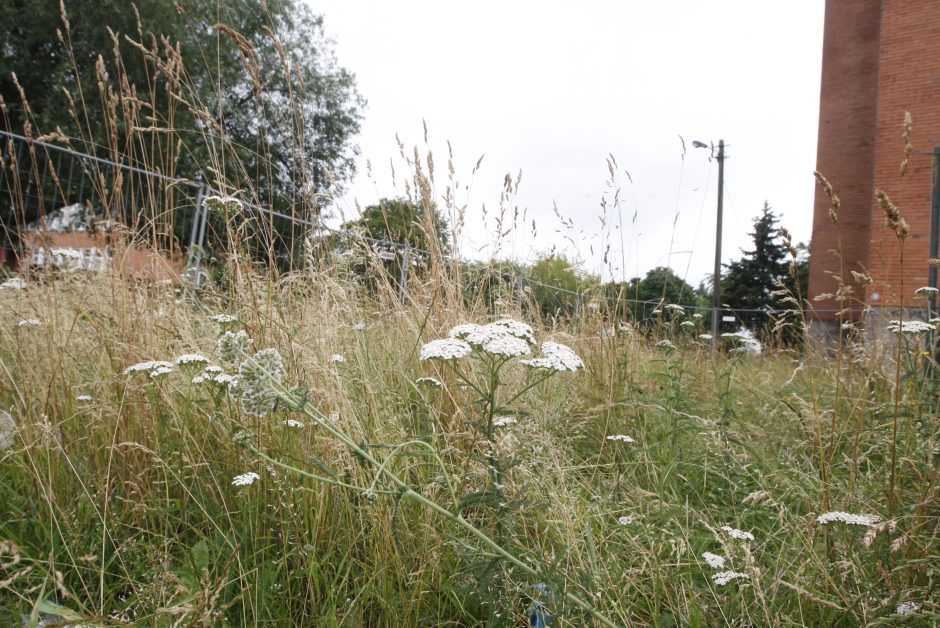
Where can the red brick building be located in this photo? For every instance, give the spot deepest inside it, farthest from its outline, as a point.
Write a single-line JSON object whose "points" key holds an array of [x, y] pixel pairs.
{"points": [[880, 59]]}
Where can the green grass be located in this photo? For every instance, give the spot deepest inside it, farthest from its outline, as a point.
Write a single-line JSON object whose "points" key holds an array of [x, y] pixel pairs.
{"points": [[123, 507]]}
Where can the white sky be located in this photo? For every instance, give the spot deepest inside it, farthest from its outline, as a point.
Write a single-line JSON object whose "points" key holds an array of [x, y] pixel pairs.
{"points": [[550, 88]]}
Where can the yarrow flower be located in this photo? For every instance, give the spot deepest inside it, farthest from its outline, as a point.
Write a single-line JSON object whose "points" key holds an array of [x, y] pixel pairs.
{"points": [[445, 349], [503, 421], [191, 358], [160, 371], [224, 204], [623, 438], [625, 520], [507, 338], [13, 283], [739, 535], [556, 357], [714, 560], [29, 322], [507, 346], [848, 518], [518, 329], [926, 290], [724, 577], [666, 344], [224, 319], [430, 381], [687, 324], [256, 377], [293, 423], [149, 366], [337, 358], [83, 398], [705, 336], [245, 479], [675, 307], [232, 346], [910, 327], [906, 608]]}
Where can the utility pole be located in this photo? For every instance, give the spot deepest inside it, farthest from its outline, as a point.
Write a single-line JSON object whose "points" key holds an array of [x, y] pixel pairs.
{"points": [[716, 277]]}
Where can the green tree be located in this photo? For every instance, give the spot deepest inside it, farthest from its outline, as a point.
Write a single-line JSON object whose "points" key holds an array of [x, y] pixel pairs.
{"points": [[557, 285], [752, 282], [251, 92]]}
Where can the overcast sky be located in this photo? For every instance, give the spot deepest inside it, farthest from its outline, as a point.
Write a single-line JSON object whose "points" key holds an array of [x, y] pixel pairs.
{"points": [[552, 88]]}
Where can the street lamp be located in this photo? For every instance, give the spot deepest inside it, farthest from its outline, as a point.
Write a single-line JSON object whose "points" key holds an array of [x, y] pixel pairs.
{"points": [[716, 277]]}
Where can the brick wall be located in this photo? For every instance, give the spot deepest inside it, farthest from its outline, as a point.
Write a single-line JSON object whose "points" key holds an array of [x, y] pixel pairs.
{"points": [[880, 59], [846, 148]]}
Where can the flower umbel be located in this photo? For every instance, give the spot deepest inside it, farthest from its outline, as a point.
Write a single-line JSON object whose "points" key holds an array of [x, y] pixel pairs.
{"points": [[245, 479], [848, 518], [714, 560], [556, 357], [445, 349]]}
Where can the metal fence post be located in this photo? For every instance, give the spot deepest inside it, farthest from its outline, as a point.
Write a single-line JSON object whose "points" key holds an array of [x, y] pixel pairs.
{"points": [[403, 278]]}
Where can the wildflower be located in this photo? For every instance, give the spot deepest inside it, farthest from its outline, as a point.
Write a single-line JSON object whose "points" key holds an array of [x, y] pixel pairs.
{"points": [[739, 535], [656, 312], [724, 577], [666, 344], [212, 368], [245, 479], [255, 378], [445, 349], [160, 371], [226, 380], [29, 322], [337, 358], [517, 329], [621, 437], [697, 315], [705, 336], [429, 381], [150, 365], [223, 204], [687, 324], [224, 319], [7, 429], [503, 421], [848, 518], [232, 346], [714, 560], [293, 423], [675, 308], [83, 398], [906, 608], [625, 520], [507, 346], [556, 357], [191, 358], [910, 327], [13, 283], [926, 290]]}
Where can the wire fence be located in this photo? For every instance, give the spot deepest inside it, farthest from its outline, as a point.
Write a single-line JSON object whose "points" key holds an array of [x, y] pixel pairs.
{"points": [[41, 177]]}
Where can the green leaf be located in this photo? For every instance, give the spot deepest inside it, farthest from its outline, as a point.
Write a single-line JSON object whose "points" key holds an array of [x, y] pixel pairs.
{"points": [[200, 554]]}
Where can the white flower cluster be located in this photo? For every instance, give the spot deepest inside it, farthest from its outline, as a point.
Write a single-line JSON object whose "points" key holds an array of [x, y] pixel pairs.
{"points": [[232, 346], [13, 283], [503, 421], [926, 290], [83, 398], [29, 322], [687, 324], [224, 319], [705, 336], [739, 535], [224, 204], [714, 560], [724, 577], [676, 308], [430, 381], [337, 358], [293, 423], [848, 518], [507, 338], [160, 371], [556, 357], [910, 327], [214, 374], [191, 358], [625, 520], [245, 479], [151, 366], [906, 608], [445, 349], [623, 438], [666, 344], [256, 377]]}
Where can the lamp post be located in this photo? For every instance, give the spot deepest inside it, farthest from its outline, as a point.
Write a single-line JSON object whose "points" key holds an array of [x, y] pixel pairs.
{"points": [[716, 276]]}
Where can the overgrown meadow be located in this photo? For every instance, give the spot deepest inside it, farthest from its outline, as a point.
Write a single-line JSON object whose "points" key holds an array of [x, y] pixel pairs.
{"points": [[286, 443]]}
